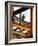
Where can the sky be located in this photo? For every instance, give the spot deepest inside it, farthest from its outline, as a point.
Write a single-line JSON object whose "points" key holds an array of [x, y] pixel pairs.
{"points": [[26, 14]]}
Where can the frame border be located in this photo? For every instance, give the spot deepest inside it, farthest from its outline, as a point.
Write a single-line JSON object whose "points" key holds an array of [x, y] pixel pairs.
{"points": [[6, 22]]}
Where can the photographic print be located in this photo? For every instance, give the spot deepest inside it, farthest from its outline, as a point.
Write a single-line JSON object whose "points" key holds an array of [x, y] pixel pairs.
{"points": [[20, 22]]}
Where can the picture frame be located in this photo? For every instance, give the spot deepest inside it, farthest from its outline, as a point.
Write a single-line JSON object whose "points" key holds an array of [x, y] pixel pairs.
{"points": [[20, 22]]}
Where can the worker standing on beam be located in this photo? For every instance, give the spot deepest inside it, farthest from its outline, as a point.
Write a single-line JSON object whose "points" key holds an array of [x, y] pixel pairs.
{"points": [[23, 17]]}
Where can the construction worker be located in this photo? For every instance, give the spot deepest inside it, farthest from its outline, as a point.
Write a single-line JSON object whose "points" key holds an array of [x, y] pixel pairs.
{"points": [[23, 17]]}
